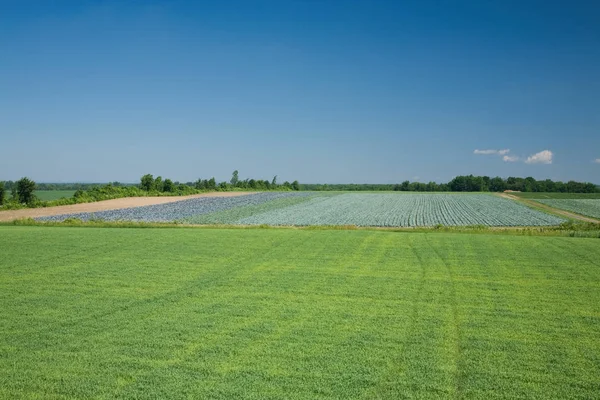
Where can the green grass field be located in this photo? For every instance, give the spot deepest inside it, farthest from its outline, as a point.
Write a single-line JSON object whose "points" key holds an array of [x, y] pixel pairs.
{"points": [[542, 195], [285, 313], [47, 195]]}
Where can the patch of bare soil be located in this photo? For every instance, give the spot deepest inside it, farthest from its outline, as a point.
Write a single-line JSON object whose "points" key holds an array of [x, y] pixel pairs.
{"points": [[546, 207], [115, 204]]}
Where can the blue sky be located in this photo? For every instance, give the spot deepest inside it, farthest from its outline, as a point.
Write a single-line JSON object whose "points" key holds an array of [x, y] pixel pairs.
{"points": [[319, 91]]}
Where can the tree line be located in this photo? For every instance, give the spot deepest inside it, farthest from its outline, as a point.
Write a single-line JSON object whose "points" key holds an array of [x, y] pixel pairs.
{"points": [[467, 183], [23, 190]]}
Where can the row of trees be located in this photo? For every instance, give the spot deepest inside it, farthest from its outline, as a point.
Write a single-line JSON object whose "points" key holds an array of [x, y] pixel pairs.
{"points": [[21, 191], [472, 183], [151, 184], [468, 183]]}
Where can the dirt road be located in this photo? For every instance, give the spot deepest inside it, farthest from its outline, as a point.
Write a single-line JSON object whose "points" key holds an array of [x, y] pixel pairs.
{"points": [[114, 204], [534, 203]]}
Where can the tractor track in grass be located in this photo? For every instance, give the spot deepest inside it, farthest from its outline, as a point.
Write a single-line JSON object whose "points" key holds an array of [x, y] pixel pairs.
{"points": [[104, 205], [548, 208]]}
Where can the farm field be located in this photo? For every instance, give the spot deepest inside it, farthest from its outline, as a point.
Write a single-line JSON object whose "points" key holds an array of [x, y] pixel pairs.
{"points": [[360, 209], [588, 207], [47, 195], [278, 313], [543, 195]]}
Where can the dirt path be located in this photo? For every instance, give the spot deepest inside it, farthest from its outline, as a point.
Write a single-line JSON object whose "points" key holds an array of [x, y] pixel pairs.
{"points": [[115, 204], [536, 204]]}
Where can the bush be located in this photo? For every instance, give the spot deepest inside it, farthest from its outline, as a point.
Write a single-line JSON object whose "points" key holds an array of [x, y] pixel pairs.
{"points": [[2, 193]]}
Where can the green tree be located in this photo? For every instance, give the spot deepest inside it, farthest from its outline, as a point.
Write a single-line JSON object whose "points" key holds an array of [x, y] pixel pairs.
{"points": [[147, 182], [211, 184], [295, 185], [2, 193], [158, 184], [274, 181], [234, 178], [168, 186], [25, 188]]}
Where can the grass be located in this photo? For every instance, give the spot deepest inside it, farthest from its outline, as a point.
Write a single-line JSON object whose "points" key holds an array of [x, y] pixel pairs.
{"points": [[289, 313], [542, 195], [49, 195]]}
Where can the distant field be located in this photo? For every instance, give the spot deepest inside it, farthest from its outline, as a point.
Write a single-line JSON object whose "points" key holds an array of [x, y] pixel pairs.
{"points": [[588, 207], [47, 195], [541, 195], [282, 313], [313, 208], [54, 194]]}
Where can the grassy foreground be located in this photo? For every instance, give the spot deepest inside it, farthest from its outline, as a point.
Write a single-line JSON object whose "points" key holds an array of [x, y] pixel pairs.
{"points": [[278, 313]]}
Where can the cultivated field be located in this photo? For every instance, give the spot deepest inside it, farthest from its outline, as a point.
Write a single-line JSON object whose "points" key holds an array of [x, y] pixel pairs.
{"points": [[278, 313], [589, 207], [100, 206], [47, 195], [543, 195], [360, 209]]}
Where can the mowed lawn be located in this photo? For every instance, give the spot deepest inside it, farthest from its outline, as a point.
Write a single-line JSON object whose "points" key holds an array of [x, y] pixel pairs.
{"points": [[300, 314]]}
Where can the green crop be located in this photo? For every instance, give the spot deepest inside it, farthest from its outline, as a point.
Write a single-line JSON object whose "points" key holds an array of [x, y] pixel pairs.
{"points": [[283, 313], [589, 207]]}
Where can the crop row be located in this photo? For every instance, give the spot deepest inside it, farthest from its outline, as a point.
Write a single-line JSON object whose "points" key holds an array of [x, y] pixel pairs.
{"points": [[180, 210], [589, 207], [405, 210]]}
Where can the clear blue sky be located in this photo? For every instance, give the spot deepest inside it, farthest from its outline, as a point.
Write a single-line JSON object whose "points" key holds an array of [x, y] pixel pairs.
{"points": [[319, 91]]}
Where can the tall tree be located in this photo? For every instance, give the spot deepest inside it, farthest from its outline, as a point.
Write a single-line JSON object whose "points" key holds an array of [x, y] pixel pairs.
{"points": [[2, 193], [168, 186], [158, 184], [234, 178], [147, 182], [25, 188]]}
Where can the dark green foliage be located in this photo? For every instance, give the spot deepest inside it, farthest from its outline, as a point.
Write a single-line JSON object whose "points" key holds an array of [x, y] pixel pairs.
{"points": [[25, 188], [147, 182], [168, 186], [467, 183], [158, 184], [295, 185], [211, 184], [2, 193], [235, 178]]}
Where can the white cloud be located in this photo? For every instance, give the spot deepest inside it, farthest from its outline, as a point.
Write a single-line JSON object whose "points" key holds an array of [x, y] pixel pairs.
{"points": [[597, 160], [543, 157], [499, 152], [510, 158]]}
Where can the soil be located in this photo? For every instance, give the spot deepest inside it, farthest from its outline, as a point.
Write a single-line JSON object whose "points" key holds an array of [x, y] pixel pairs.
{"points": [[548, 208], [115, 204]]}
